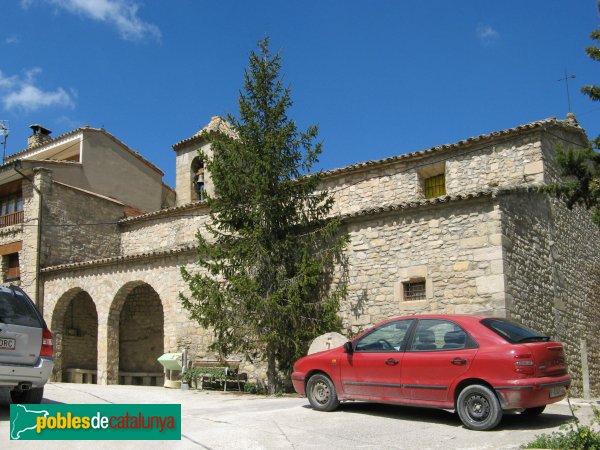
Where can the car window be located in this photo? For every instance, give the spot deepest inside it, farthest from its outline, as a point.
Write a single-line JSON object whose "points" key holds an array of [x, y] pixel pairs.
{"points": [[17, 309], [437, 334], [388, 337], [513, 332]]}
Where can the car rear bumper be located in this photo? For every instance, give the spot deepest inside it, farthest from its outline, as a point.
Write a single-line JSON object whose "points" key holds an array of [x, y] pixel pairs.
{"points": [[12, 375], [532, 392]]}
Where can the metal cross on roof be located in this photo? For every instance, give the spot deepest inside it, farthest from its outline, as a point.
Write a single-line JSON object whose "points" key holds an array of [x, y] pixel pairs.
{"points": [[566, 80]]}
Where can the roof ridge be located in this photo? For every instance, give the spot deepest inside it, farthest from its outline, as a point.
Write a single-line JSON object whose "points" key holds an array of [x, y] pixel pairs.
{"points": [[463, 142]]}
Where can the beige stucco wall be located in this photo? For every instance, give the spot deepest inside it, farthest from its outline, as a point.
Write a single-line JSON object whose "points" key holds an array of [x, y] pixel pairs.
{"points": [[106, 168]]}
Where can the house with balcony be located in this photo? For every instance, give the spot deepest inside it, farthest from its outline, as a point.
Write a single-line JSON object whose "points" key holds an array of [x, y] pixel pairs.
{"points": [[51, 186]]}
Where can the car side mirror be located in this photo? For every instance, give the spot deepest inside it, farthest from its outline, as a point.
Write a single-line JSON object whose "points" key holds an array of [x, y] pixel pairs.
{"points": [[348, 348]]}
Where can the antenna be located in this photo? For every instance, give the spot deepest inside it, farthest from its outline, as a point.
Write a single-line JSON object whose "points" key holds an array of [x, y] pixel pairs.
{"points": [[3, 136], [566, 80]]}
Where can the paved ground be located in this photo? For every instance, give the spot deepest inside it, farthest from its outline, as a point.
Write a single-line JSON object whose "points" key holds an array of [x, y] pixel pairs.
{"points": [[216, 420]]}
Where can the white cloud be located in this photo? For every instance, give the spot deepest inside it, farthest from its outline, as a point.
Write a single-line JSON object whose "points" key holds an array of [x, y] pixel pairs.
{"points": [[12, 40], [122, 14], [486, 34], [22, 93]]}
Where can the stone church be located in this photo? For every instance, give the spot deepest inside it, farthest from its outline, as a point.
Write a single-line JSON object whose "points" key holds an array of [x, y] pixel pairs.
{"points": [[89, 229]]}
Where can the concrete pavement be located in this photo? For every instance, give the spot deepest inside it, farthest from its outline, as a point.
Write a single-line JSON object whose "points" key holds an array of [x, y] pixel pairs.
{"points": [[216, 420]]}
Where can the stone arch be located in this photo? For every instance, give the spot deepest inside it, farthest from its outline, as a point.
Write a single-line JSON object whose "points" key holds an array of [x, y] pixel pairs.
{"points": [[198, 187], [135, 334], [75, 333]]}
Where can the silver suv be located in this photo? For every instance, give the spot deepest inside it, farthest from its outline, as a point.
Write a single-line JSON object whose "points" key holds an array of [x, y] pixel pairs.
{"points": [[25, 347]]}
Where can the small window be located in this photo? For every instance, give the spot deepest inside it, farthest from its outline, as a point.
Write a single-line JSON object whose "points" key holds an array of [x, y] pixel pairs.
{"points": [[435, 186], [414, 290], [13, 272]]}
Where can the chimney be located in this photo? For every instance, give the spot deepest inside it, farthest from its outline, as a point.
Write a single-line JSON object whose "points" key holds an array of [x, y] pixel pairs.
{"points": [[38, 136]]}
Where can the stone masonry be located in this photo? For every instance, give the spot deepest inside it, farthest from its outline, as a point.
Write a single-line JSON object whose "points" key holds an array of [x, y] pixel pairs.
{"points": [[491, 245]]}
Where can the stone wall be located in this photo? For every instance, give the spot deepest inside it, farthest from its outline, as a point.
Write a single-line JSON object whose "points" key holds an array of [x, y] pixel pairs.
{"points": [[141, 332], [553, 274], [108, 286], [78, 226], [454, 247], [163, 232], [470, 168], [79, 334], [10, 234]]}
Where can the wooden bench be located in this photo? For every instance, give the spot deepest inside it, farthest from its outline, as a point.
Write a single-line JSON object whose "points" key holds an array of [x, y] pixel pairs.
{"points": [[230, 372]]}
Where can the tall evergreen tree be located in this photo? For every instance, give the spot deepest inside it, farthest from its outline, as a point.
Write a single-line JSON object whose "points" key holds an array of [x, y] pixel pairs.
{"points": [[592, 90], [580, 167], [266, 280]]}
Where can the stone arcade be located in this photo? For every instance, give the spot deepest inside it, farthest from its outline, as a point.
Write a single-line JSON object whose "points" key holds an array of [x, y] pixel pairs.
{"points": [[458, 228]]}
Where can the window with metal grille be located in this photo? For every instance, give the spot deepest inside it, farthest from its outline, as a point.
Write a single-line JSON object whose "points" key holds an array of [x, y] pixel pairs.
{"points": [[435, 186], [414, 290]]}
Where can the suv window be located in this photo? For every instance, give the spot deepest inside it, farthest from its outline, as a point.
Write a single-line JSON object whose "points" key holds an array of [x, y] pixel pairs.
{"points": [[437, 334], [513, 332], [388, 337], [17, 309]]}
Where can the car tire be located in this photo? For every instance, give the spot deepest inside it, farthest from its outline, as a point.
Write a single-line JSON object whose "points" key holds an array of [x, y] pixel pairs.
{"points": [[533, 412], [478, 408], [321, 393], [33, 395]]}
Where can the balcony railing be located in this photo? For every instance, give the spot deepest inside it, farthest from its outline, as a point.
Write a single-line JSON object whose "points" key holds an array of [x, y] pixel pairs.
{"points": [[11, 219]]}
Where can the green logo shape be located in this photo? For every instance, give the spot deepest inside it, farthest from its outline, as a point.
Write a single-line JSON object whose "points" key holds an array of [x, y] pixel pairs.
{"points": [[95, 422]]}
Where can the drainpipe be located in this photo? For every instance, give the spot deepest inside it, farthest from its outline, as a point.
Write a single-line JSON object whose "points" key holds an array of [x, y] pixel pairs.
{"points": [[16, 166]]}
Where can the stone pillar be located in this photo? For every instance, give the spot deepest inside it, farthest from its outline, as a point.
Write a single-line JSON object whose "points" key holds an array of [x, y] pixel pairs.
{"points": [[103, 348], [31, 254]]}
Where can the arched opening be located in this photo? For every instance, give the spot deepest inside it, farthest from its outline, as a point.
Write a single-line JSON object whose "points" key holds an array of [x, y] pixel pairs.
{"points": [[135, 336], [75, 328], [198, 187]]}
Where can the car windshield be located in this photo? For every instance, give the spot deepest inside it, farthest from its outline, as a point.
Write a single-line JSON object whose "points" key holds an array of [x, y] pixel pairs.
{"points": [[514, 332], [17, 309]]}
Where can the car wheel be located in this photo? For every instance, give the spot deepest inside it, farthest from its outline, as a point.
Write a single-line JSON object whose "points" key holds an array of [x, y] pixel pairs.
{"points": [[533, 412], [478, 408], [321, 393], [33, 395]]}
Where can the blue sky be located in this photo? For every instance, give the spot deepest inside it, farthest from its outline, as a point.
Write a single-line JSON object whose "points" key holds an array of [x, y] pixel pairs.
{"points": [[380, 78]]}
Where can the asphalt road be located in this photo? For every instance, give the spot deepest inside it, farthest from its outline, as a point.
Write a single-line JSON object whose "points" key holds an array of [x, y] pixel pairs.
{"points": [[216, 420]]}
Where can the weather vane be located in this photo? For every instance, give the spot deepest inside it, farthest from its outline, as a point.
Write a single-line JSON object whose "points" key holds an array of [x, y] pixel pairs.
{"points": [[566, 80]]}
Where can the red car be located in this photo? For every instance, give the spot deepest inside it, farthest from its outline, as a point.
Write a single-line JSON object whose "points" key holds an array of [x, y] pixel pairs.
{"points": [[479, 366]]}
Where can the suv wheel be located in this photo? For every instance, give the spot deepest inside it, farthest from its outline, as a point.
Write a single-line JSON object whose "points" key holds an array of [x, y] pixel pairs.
{"points": [[478, 408], [33, 395]]}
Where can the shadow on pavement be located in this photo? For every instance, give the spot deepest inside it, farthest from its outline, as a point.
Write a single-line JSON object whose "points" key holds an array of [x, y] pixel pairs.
{"points": [[5, 408], [509, 421]]}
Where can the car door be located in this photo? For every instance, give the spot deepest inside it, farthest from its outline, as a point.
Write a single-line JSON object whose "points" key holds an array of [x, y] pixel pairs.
{"points": [[20, 328], [372, 370], [440, 351]]}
